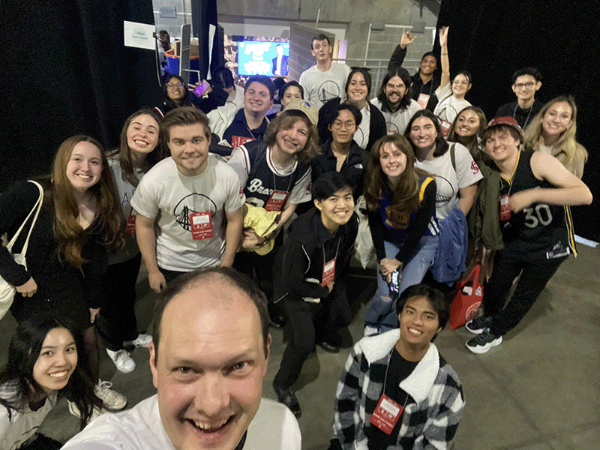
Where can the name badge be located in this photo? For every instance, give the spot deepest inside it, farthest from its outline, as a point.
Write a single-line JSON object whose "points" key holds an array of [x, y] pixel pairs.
{"points": [[328, 272], [130, 227], [386, 414], [277, 201], [505, 213], [446, 127], [423, 100], [238, 141], [202, 227]]}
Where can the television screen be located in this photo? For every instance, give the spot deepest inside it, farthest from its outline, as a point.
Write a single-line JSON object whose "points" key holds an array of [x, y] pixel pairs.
{"points": [[263, 58]]}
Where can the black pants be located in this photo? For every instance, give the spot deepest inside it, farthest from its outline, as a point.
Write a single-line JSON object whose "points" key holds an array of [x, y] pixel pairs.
{"points": [[533, 280], [42, 442], [311, 323], [117, 321], [170, 275]]}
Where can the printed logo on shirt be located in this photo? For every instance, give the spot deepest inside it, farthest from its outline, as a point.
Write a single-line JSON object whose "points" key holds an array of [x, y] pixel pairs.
{"points": [[474, 167], [309, 189], [238, 141], [443, 185], [396, 220], [191, 204], [392, 128], [328, 91]]}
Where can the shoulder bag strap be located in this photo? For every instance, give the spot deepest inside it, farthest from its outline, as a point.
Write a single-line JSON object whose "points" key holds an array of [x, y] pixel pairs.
{"points": [[37, 207]]}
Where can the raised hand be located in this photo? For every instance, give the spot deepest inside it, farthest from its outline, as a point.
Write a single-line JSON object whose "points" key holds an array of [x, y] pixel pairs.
{"points": [[407, 39], [443, 35]]}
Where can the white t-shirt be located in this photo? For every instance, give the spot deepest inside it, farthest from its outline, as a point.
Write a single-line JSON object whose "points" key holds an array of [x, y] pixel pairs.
{"points": [[361, 137], [396, 122], [240, 162], [273, 428], [449, 106], [21, 426], [448, 180], [169, 197], [320, 87], [125, 191]]}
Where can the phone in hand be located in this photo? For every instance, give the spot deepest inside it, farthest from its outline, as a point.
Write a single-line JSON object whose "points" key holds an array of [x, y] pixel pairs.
{"points": [[201, 88]]}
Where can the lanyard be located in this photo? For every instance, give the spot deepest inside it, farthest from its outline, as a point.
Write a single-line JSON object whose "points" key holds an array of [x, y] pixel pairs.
{"points": [[528, 115], [336, 252]]}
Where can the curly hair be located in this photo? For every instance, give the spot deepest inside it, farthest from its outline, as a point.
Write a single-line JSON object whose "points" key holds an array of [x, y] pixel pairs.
{"points": [[285, 121], [405, 195], [69, 234]]}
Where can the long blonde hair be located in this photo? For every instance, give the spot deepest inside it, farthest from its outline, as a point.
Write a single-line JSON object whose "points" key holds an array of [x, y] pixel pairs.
{"points": [[571, 153], [69, 234]]}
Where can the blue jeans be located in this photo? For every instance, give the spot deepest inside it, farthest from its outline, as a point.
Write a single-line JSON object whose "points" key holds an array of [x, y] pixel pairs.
{"points": [[381, 312]]}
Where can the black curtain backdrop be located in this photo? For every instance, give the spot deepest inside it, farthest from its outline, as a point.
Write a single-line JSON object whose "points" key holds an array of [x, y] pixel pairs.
{"points": [[204, 14], [492, 39], [65, 71]]}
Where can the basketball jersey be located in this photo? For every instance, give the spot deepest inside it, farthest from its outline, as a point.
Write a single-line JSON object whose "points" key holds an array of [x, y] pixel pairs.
{"points": [[540, 230]]}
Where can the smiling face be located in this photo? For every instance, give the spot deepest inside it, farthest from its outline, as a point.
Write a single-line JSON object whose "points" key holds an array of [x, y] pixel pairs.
{"points": [[321, 50], [419, 323], [460, 85], [428, 65], [142, 134], [257, 99], [337, 209], [501, 145], [291, 93], [557, 119], [210, 366], [85, 166], [57, 360], [292, 140], [343, 127], [175, 89], [189, 148], [393, 161], [395, 90], [357, 89], [525, 87], [467, 123], [423, 133]]}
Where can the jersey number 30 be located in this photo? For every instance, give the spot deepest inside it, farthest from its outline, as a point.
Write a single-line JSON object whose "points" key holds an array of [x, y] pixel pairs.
{"points": [[539, 215]]}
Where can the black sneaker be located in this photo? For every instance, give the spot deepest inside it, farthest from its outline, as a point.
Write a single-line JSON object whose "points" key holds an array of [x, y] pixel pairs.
{"points": [[288, 398], [483, 342], [476, 326]]}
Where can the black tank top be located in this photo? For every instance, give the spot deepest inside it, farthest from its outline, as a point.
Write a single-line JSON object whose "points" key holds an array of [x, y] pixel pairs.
{"points": [[540, 230]]}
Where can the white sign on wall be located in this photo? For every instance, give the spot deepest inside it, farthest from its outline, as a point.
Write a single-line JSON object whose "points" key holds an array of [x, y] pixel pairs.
{"points": [[139, 35]]}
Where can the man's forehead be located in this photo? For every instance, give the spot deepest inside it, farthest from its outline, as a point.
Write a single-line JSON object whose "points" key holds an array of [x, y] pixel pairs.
{"points": [[525, 78], [320, 42], [257, 86]]}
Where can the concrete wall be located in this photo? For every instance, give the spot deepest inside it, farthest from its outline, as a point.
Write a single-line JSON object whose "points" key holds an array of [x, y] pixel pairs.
{"points": [[301, 57]]}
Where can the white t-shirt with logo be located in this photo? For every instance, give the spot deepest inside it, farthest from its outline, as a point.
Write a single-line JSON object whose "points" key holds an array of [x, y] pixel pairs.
{"points": [[448, 180], [169, 197], [320, 87], [396, 122]]}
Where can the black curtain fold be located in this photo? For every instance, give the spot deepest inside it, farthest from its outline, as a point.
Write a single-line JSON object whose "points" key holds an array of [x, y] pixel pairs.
{"points": [[65, 71]]}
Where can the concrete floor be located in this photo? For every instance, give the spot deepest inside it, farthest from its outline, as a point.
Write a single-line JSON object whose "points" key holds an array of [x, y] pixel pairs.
{"points": [[538, 390]]}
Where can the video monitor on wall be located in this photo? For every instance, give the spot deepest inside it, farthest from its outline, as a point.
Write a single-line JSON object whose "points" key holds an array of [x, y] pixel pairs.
{"points": [[256, 57]]}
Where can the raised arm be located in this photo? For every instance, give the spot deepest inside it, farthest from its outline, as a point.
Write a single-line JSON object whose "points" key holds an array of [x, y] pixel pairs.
{"points": [[569, 191], [400, 51], [443, 36]]}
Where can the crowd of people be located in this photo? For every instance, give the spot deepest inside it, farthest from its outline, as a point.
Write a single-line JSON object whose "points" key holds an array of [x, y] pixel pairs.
{"points": [[246, 220]]}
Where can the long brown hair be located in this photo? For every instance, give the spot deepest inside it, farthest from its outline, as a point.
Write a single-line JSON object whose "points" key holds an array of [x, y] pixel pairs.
{"points": [[472, 142], [69, 234], [405, 196], [124, 152]]}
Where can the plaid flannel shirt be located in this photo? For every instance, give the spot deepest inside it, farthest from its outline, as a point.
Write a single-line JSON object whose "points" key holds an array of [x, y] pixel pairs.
{"points": [[428, 423]]}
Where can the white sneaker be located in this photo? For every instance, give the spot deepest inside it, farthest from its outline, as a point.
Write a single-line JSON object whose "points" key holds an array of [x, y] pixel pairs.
{"points": [[96, 412], [122, 359], [143, 340], [111, 399]]}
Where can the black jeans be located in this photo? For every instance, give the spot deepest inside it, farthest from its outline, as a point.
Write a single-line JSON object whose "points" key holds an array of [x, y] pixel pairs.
{"points": [[533, 280], [117, 317], [311, 323], [42, 442]]}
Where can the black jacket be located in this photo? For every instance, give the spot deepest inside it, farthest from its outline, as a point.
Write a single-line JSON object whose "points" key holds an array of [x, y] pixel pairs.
{"points": [[353, 170], [377, 127], [301, 256]]}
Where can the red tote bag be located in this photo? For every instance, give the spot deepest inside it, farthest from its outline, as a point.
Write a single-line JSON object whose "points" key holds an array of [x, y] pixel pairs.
{"points": [[467, 299]]}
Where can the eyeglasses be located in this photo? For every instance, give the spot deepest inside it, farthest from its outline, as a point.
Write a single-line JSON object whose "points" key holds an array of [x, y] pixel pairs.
{"points": [[338, 125], [524, 85], [173, 86]]}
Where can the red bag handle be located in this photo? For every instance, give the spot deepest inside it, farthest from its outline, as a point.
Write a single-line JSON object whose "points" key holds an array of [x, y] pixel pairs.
{"points": [[475, 275]]}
